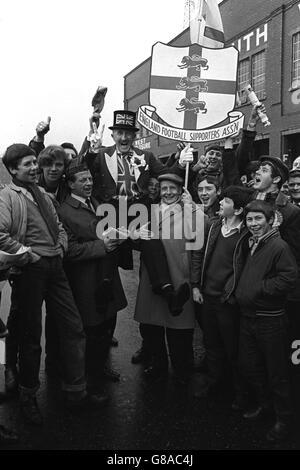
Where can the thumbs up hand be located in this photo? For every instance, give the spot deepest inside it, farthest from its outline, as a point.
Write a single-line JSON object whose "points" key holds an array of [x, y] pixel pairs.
{"points": [[43, 127]]}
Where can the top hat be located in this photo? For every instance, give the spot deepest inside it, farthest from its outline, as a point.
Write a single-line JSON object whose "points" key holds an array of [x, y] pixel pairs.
{"points": [[278, 164], [124, 120]]}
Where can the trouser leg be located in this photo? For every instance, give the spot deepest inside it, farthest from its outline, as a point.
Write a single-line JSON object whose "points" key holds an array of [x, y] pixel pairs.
{"points": [[30, 289], [212, 339], [251, 360], [180, 343], [154, 340], [12, 340], [70, 328], [272, 337]]}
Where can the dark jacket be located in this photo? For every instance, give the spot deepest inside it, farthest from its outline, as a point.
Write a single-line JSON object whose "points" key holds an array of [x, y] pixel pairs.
{"points": [[266, 277], [83, 263], [201, 259], [288, 214], [104, 169], [63, 191]]}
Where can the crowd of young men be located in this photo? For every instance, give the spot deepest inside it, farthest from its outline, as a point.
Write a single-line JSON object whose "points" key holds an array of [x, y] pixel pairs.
{"points": [[246, 276]]}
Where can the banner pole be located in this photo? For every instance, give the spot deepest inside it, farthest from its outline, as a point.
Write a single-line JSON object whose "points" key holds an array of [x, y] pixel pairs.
{"points": [[187, 167]]}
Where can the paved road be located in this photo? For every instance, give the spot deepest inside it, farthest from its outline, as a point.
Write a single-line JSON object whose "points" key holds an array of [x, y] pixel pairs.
{"points": [[140, 415]]}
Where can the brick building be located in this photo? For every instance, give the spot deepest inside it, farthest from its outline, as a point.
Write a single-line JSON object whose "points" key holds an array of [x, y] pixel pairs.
{"points": [[267, 35]]}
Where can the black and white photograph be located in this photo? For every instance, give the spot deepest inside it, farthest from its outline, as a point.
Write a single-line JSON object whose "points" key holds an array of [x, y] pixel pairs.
{"points": [[150, 228]]}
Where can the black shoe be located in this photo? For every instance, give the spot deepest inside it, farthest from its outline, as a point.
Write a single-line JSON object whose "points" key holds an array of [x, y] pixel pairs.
{"points": [[88, 402], [111, 374], [181, 380], [30, 410], [239, 403], [7, 436], [140, 356], [178, 298], [52, 370], [3, 397], [258, 412], [3, 329], [11, 380], [156, 373], [203, 392], [114, 342], [278, 432]]}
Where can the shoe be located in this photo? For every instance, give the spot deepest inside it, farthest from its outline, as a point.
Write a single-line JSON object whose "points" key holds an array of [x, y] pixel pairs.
{"points": [[3, 397], [114, 342], [111, 374], [30, 410], [140, 356], [7, 436], [89, 401], [156, 373], [178, 298], [258, 412], [278, 432], [239, 403], [3, 329], [11, 380], [181, 380], [203, 392], [52, 370]]}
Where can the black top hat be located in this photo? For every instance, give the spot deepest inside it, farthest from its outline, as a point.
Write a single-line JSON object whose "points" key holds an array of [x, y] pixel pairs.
{"points": [[124, 120]]}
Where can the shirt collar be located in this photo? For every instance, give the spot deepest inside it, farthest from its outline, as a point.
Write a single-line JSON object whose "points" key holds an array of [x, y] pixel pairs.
{"points": [[226, 232], [80, 199]]}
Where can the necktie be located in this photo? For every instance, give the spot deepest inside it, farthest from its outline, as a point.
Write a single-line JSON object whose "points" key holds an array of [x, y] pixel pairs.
{"points": [[89, 204]]}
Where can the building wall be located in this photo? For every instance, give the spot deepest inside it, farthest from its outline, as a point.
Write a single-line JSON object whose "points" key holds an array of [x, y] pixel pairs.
{"points": [[252, 26]]}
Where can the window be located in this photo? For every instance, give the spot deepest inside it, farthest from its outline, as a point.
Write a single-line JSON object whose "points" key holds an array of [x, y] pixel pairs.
{"points": [[259, 74], [252, 71], [243, 79], [296, 58]]}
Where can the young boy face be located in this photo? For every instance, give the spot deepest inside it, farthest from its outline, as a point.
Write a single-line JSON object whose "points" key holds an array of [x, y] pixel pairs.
{"points": [[54, 171], [207, 193], [26, 170], [257, 224], [263, 178], [227, 209]]}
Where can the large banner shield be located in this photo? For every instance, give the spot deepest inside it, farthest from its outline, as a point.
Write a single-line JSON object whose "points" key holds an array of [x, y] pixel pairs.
{"points": [[192, 88]]}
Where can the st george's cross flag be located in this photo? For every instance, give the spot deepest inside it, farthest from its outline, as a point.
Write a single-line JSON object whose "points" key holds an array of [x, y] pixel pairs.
{"points": [[206, 27]]}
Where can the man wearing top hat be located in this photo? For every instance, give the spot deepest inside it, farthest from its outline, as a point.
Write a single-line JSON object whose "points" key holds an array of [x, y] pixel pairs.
{"points": [[123, 172]]}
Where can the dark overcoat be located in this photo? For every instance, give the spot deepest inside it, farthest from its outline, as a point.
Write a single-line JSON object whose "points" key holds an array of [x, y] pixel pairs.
{"points": [[83, 263]]}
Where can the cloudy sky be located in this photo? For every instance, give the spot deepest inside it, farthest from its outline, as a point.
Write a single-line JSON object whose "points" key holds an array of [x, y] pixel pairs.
{"points": [[54, 54]]}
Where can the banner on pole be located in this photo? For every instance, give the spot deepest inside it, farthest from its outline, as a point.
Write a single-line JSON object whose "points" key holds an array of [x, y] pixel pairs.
{"points": [[192, 93]]}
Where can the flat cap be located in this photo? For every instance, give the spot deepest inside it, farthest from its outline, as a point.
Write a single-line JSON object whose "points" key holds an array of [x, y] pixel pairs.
{"points": [[278, 165], [171, 177]]}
